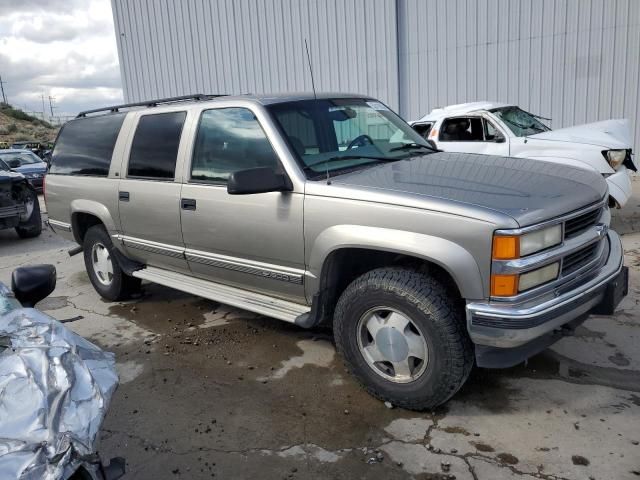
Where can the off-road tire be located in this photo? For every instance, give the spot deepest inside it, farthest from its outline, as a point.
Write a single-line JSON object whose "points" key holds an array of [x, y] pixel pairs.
{"points": [[32, 227], [437, 313], [122, 285]]}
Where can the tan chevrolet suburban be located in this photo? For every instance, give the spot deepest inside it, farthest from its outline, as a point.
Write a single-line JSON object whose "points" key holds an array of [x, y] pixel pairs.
{"points": [[331, 209]]}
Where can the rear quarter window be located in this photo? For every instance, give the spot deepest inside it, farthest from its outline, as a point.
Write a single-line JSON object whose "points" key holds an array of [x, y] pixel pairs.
{"points": [[85, 146]]}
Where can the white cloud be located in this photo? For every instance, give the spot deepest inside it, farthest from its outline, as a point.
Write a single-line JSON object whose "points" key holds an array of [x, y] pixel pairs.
{"points": [[63, 48]]}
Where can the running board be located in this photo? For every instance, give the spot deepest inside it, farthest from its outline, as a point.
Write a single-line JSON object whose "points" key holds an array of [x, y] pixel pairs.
{"points": [[254, 302]]}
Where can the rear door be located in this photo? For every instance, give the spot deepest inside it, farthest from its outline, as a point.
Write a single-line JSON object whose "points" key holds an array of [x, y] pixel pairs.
{"points": [[149, 191], [249, 241]]}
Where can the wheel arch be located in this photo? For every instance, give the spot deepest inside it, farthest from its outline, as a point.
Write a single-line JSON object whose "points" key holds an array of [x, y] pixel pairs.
{"points": [[87, 213], [343, 252]]}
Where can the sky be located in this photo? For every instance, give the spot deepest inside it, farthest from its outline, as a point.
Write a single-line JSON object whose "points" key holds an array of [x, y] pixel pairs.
{"points": [[60, 48]]}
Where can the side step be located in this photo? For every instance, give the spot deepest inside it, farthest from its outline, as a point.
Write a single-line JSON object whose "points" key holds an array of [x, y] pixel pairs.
{"points": [[254, 302]]}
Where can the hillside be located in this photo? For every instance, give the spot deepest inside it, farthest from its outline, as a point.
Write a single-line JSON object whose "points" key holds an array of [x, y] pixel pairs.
{"points": [[15, 125]]}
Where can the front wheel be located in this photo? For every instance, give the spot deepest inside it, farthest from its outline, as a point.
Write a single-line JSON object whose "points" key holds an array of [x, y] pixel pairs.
{"points": [[403, 336], [30, 221], [105, 273]]}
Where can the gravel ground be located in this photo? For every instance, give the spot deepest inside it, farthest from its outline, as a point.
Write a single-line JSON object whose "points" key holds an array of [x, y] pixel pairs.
{"points": [[209, 391]]}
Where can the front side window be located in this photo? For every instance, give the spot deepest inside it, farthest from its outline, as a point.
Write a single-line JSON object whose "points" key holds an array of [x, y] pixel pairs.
{"points": [[229, 140], [343, 134], [154, 150], [521, 123], [462, 129], [85, 145]]}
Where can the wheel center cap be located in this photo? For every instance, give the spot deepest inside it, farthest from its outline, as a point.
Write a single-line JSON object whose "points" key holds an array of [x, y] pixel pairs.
{"points": [[392, 344]]}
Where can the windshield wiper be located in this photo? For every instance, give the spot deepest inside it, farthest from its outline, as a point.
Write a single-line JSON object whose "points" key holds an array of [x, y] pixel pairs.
{"points": [[412, 146], [338, 158]]}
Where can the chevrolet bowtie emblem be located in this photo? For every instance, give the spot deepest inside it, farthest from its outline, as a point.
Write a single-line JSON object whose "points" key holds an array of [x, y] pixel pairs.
{"points": [[602, 229]]}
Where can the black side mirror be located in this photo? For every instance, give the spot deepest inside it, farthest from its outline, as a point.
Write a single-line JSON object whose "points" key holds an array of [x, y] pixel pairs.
{"points": [[32, 284], [499, 140], [14, 163], [258, 180]]}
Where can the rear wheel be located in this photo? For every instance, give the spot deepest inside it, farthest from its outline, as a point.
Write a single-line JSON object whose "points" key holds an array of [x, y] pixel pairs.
{"points": [[30, 221], [105, 273], [403, 336]]}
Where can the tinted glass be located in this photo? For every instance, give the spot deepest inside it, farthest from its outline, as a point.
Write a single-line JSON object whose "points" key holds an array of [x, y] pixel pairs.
{"points": [[85, 145], [155, 146], [229, 140]]}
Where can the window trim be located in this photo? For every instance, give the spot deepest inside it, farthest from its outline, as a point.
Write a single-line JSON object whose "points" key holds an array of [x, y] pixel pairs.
{"points": [[134, 130], [223, 183]]}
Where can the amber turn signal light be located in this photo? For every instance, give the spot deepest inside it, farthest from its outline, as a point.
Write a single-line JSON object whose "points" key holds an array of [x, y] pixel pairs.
{"points": [[506, 247], [504, 285]]}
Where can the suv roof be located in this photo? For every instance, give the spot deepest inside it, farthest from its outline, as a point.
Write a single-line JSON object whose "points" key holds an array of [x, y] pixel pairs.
{"points": [[264, 99]]}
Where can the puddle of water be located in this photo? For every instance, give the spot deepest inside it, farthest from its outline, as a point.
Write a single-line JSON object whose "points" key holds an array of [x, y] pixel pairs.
{"points": [[319, 353]]}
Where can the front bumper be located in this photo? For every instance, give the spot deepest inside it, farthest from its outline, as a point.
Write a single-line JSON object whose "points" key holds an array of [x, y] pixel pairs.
{"points": [[517, 332], [620, 186]]}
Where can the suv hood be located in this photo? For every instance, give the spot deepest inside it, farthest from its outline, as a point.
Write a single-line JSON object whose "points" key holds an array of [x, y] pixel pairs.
{"points": [[610, 134], [529, 191]]}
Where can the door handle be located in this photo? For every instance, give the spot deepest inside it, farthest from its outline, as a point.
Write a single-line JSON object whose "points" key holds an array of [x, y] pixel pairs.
{"points": [[188, 204], [123, 196]]}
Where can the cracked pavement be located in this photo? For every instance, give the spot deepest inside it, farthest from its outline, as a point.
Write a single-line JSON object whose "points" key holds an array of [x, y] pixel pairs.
{"points": [[210, 391]]}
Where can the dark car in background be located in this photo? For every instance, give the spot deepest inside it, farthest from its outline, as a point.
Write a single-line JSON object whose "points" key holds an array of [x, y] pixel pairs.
{"points": [[25, 162]]}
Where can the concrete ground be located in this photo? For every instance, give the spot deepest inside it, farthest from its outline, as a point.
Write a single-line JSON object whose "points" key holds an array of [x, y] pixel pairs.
{"points": [[209, 391]]}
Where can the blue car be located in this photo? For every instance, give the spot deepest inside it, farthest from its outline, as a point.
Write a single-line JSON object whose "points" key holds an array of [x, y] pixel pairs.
{"points": [[25, 162]]}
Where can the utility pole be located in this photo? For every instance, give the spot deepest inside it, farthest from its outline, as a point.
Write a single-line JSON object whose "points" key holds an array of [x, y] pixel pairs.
{"points": [[51, 107], [4, 97], [43, 106]]}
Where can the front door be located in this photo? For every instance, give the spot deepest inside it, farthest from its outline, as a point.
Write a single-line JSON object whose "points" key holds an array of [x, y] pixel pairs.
{"points": [[149, 193], [249, 241], [472, 134]]}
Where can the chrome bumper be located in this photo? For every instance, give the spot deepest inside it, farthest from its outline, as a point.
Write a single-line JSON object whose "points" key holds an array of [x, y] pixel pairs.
{"points": [[509, 326]]}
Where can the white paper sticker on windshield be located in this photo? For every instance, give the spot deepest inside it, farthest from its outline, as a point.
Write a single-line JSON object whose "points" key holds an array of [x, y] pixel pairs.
{"points": [[377, 106]]}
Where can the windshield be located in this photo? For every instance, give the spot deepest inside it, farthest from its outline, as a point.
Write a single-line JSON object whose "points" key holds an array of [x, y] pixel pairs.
{"points": [[521, 123], [330, 135], [25, 158]]}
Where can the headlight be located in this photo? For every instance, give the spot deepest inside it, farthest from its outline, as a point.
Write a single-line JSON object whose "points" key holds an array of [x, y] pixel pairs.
{"points": [[509, 247], [615, 157], [537, 277]]}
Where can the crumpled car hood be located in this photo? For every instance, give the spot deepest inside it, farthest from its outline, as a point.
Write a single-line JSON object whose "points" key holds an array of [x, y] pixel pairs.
{"points": [[610, 134], [55, 389]]}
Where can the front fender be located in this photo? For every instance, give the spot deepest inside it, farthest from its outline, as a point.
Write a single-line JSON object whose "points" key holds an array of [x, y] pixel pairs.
{"points": [[456, 260], [94, 208]]}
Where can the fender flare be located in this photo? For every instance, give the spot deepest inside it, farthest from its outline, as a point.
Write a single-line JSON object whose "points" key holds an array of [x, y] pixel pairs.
{"points": [[453, 258], [94, 208]]}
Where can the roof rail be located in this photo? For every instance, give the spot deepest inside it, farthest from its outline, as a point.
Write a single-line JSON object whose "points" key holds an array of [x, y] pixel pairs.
{"points": [[150, 103]]}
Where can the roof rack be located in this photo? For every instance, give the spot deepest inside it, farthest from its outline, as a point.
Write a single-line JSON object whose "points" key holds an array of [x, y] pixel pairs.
{"points": [[151, 103]]}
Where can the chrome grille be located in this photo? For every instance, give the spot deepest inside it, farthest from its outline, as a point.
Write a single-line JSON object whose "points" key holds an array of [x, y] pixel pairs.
{"points": [[576, 260], [576, 225]]}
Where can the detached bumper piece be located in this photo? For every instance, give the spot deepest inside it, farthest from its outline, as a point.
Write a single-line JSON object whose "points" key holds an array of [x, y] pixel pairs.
{"points": [[507, 335]]}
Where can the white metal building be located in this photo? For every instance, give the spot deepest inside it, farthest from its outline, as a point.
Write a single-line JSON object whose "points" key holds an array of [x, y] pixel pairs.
{"points": [[575, 61]]}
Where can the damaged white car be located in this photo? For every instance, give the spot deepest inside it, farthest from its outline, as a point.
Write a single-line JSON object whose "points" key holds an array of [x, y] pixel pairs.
{"points": [[500, 129]]}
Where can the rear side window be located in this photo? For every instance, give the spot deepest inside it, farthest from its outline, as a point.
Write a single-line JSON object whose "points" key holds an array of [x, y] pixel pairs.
{"points": [[423, 129], [155, 146], [85, 146]]}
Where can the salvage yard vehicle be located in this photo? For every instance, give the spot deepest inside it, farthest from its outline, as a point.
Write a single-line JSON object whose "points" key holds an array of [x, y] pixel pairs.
{"points": [[332, 209], [26, 163], [19, 206], [55, 388], [493, 128]]}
